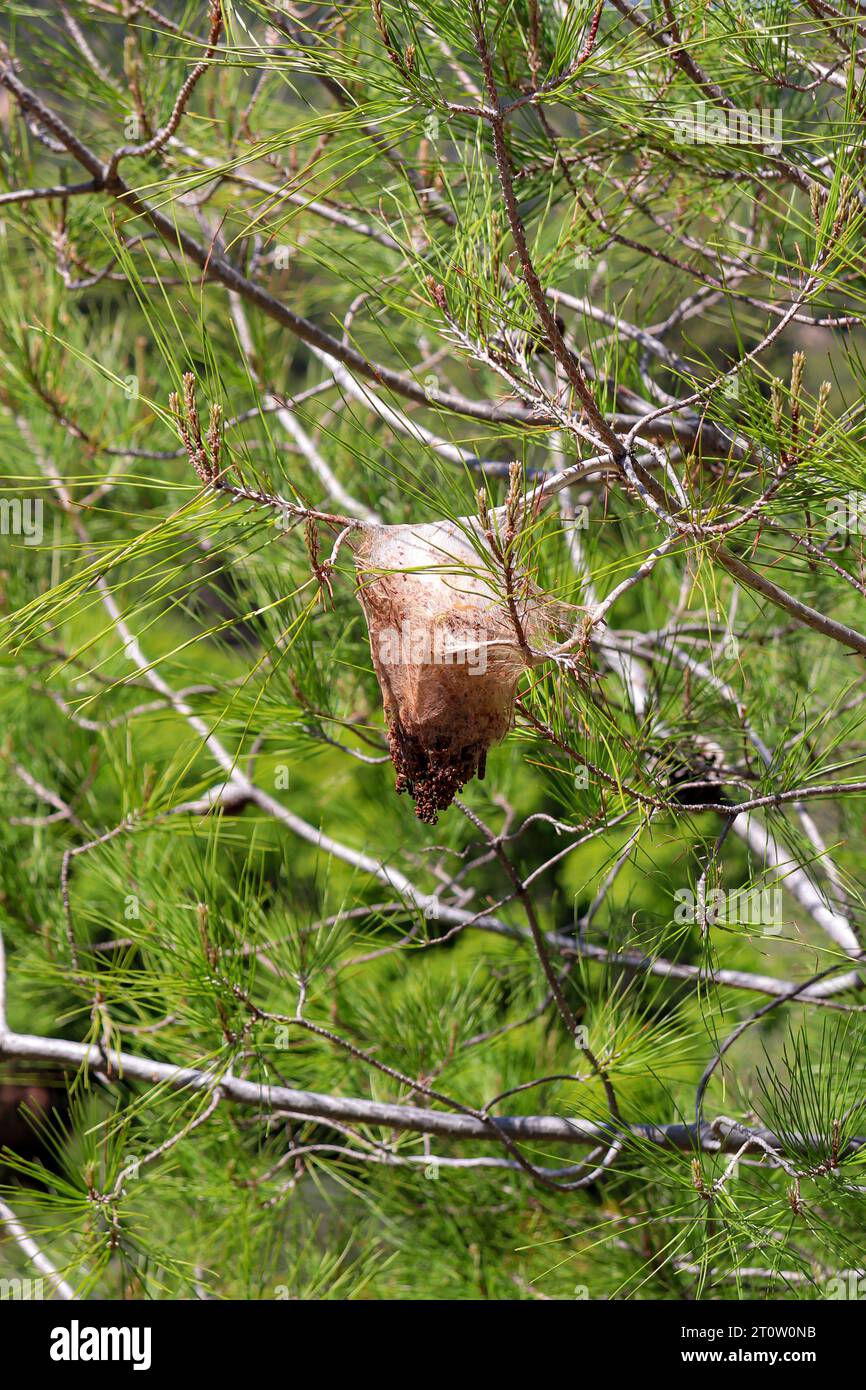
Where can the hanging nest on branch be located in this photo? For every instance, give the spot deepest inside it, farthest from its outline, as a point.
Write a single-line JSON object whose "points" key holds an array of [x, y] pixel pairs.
{"points": [[451, 631], [453, 618]]}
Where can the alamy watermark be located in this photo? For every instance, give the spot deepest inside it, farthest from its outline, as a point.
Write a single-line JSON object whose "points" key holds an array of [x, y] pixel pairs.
{"points": [[846, 516], [22, 516], [851, 1284], [22, 1290], [414, 644], [744, 907], [77, 1343], [703, 124]]}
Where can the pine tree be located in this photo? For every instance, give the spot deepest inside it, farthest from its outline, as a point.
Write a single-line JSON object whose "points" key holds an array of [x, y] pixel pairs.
{"points": [[432, 638]]}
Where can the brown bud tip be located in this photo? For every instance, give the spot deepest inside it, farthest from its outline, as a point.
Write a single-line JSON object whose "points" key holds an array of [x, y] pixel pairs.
{"points": [[437, 292]]}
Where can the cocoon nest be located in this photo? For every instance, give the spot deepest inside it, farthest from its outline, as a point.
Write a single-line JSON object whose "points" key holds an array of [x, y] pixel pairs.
{"points": [[448, 649]]}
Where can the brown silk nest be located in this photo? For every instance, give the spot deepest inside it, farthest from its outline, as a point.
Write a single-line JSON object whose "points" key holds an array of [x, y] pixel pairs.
{"points": [[446, 651]]}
